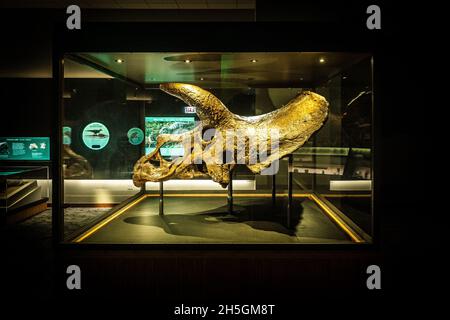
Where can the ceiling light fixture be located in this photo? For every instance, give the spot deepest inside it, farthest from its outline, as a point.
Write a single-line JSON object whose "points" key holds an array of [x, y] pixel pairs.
{"points": [[119, 60], [187, 61], [322, 60], [254, 60]]}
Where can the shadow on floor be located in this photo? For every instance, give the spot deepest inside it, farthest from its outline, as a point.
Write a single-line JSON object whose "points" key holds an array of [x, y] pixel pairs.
{"points": [[259, 215]]}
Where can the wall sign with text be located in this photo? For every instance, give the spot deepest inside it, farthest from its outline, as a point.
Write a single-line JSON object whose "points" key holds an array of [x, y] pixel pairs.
{"points": [[25, 148], [95, 135], [135, 136]]}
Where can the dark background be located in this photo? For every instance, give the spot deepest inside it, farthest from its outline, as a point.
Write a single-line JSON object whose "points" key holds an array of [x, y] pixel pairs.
{"points": [[411, 250]]}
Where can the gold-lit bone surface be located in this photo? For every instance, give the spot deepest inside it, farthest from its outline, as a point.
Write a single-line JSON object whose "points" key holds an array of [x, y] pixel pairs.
{"points": [[293, 124]]}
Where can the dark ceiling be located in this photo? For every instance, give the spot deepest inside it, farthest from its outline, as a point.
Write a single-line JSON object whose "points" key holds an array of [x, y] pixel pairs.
{"points": [[26, 26], [218, 69], [132, 4]]}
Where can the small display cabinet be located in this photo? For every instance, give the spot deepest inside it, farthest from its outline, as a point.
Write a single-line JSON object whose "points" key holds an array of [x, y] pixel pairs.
{"points": [[24, 192]]}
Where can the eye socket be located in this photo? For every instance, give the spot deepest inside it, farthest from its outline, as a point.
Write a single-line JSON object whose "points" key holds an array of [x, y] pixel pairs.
{"points": [[155, 163], [208, 133]]}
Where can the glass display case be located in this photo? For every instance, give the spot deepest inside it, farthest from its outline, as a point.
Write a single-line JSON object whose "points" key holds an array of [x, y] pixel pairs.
{"points": [[24, 192], [118, 106]]}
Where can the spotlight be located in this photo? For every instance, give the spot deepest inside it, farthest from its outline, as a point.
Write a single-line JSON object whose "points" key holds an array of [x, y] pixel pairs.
{"points": [[187, 61], [119, 60], [322, 60], [254, 60]]}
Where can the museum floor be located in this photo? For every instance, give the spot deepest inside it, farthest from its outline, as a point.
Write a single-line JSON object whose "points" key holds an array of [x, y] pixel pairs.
{"points": [[206, 220]]}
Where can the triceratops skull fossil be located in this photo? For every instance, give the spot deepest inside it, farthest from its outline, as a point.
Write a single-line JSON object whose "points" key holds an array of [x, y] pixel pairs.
{"points": [[258, 141]]}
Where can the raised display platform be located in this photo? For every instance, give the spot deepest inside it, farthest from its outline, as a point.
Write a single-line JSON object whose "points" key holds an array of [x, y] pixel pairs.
{"points": [[204, 218]]}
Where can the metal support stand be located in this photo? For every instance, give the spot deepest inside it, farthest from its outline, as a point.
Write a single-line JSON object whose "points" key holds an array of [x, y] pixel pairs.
{"points": [[161, 198], [274, 189], [289, 206], [230, 194]]}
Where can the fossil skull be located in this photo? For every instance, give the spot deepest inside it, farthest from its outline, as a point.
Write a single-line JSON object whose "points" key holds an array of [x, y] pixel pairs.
{"points": [[210, 149]]}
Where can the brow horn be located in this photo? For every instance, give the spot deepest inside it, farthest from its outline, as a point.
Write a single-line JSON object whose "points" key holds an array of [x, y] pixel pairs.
{"points": [[209, 108]]}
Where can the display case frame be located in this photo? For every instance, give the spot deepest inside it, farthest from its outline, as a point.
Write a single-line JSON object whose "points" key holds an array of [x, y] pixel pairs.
{"points": [[113, 37]]}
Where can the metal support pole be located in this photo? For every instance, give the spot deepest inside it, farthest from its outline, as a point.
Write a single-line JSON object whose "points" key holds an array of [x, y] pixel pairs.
{"points": [[56, 147], [289, 206], [161, 198], [274, 189], [230, 194]]}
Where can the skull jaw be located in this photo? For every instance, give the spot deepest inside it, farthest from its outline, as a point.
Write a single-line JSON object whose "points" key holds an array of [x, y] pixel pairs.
{"points": [[144, 172]]}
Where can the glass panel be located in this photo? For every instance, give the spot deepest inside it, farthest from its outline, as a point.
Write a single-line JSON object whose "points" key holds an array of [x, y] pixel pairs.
{"points": [[345, 144], [114, 112], [103, 135]]}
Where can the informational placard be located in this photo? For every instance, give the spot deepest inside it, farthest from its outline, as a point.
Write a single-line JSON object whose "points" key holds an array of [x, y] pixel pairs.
{"points": [[135, 136], [25, 148], [154, 126], [95, 136]]}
